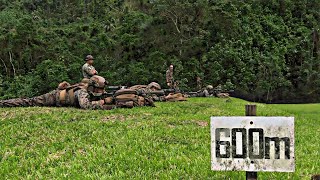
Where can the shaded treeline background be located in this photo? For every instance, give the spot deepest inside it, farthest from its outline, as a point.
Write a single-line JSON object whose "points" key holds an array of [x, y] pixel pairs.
{"points": [[267, 50]]}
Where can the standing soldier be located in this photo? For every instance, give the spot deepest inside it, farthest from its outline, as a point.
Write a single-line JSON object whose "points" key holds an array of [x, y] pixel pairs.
{"points": [[199, 84], [169, 77], [88, 70]]}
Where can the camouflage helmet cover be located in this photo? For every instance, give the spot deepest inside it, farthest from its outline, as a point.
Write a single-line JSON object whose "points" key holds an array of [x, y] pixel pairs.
{"points": [[209, 87], [97, 81], [154, 85], [88, 57]]}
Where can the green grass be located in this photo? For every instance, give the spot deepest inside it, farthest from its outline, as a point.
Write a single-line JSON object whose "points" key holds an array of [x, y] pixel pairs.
{"points": [[171, 141]]}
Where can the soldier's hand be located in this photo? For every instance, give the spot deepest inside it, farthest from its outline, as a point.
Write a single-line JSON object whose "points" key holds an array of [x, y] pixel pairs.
{"points": [[101, 102], [168, 84], [108, 100], [94, 72]]}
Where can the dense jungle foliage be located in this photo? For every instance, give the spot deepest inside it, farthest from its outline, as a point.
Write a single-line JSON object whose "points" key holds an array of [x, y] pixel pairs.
{"points": [[267, 50]]}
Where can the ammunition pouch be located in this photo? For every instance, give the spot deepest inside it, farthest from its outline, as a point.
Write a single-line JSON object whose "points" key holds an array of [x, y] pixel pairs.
{"points": [[136, 87], [125, 91], [66, 94], [175, 97], [129, 98]]}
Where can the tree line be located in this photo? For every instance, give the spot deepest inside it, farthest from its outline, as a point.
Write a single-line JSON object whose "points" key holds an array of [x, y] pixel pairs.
{"points": [[266, 50]]}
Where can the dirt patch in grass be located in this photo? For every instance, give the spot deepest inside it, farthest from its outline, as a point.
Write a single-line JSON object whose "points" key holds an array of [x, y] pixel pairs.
{"points": [[201, 123], [82, 151], [55, 156], [188, 122], [113, 118], [171, 126]]}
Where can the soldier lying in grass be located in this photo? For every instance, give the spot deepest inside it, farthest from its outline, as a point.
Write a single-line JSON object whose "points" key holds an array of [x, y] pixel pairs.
{"points": [[83, 95], [154, 91]]}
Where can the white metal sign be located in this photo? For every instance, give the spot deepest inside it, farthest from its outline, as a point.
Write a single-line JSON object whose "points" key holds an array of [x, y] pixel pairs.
{"points": [[252, 143]]}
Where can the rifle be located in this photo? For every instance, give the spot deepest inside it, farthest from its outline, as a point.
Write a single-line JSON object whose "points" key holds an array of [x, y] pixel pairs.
{"points": [[168, 91], [213, 92], [110, 90], [158, 93], [191, 93]]}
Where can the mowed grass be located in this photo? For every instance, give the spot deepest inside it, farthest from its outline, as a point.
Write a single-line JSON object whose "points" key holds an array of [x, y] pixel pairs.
{"points": [[170, 141]]}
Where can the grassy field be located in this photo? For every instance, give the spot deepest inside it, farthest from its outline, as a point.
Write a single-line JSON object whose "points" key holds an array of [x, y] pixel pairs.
{"points": [[171, 141]]}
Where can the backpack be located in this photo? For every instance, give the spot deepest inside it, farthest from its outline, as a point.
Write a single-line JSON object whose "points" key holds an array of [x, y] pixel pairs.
{"points": [[175, 97], [66, 94], [130, 98]]}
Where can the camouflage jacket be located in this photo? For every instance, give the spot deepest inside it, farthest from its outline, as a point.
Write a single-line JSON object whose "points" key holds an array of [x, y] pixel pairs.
{"points": [[169, 76], [87, 71], [81, 99]]}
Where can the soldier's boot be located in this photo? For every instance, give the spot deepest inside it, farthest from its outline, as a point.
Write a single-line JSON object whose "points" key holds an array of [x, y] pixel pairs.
{"points": [[149, 102], [109, 107], [315, 177], [127, 104]]}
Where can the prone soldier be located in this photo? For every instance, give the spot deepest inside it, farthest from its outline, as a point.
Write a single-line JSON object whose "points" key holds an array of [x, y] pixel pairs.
{"points": [[204, 92], [85, 96], [89, 95], [209, 91], [153, 90]]}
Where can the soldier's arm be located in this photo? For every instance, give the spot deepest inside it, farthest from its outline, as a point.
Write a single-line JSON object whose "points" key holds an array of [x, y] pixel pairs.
{"points": [[85, 103], [90, 71], [95, 72]]}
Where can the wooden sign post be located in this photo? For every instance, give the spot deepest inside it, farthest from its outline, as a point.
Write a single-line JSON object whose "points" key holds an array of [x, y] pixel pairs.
{"points": [[252, 143], [251, 110]]}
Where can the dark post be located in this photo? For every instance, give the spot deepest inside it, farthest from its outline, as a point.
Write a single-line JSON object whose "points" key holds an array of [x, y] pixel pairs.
{"points": [[251, 110]]}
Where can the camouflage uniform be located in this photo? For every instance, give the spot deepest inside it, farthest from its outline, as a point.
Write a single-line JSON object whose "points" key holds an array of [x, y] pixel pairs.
{"points": [[87, 71], [66, 95], [205, 92], [169, 77], [152, 90], [53, 98], [49, 99], [199, 83], [210, 91]]}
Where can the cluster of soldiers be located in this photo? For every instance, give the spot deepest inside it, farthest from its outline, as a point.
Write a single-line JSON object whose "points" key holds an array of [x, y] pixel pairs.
{"points": [[207, 91], [90, 93]]}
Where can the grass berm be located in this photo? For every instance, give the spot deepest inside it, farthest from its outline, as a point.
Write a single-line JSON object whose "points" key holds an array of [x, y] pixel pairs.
{"points": [[170, 141]]}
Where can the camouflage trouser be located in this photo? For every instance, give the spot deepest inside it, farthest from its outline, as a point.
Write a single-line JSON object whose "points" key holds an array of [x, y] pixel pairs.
{"points": [[49, 99], [203, 93], [158, 98]]}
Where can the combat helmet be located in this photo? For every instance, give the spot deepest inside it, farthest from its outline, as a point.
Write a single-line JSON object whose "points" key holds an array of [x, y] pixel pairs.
{"points": [[88, 57], [154, 85], [210, 87], [96, 82]]}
